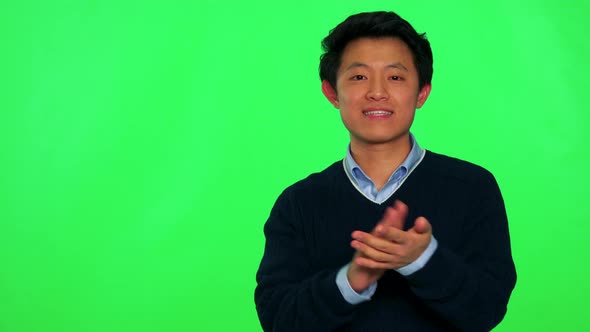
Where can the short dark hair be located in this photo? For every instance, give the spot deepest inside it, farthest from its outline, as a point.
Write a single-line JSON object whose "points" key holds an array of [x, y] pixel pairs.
{"points": [[374, 25]]}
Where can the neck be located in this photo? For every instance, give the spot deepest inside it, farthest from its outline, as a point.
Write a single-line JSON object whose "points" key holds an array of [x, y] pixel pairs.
{"points": [[379, 161]]}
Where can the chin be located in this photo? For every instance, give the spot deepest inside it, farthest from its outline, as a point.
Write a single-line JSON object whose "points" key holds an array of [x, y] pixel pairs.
{"points": [[382, 139]]}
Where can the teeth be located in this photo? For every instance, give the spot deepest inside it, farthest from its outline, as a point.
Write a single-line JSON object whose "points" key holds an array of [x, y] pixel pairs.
{"points": [[377, 113]]}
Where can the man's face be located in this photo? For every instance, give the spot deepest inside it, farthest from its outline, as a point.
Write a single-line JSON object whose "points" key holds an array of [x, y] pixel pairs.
{"points": [[377, 90]]}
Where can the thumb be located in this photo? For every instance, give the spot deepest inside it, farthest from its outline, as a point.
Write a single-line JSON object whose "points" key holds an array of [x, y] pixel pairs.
{"points": [[422, 226]]}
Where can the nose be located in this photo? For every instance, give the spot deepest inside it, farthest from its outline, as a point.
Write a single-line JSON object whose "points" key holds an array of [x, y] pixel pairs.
{"points": [[377, 90]]}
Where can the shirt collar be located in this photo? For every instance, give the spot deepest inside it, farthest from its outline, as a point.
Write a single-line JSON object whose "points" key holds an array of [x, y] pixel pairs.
{"points": [[411, 160]]}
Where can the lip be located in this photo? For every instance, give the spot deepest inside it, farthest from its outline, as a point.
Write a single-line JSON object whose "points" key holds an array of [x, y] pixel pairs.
{"points": [[377, 112], [376, 108]]}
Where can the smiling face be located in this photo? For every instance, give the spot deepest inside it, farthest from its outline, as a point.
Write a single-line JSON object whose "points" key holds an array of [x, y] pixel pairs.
{"points": [[377, 91]]}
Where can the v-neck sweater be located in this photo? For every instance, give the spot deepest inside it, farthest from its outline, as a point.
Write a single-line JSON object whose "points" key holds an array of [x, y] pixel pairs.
{"points": [[465, 285]]}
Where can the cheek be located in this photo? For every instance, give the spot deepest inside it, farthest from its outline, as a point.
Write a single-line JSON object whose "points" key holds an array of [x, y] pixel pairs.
{"points": [[347, 99], [348, 115], [347, 121], [408, 99]]}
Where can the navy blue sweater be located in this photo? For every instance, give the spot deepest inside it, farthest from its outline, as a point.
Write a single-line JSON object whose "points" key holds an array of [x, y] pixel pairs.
{"points": [[464, 287]]}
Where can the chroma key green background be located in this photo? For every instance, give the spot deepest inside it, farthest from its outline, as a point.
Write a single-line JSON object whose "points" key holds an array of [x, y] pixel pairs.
{"points": [[143, 143]]}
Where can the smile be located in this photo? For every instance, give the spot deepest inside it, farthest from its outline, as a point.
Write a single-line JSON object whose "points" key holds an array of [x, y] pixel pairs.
{"points": [[377, 113]]}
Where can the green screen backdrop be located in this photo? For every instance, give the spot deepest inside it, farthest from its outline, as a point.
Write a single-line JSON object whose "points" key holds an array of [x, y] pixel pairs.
{"points": [[143, 143]]}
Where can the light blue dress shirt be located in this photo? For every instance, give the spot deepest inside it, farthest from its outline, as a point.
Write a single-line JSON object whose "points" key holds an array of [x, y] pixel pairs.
{"points": [[367, 188]]}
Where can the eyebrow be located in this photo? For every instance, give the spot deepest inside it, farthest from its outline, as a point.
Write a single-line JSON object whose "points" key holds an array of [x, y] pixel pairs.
{"points": [[393, 65]]}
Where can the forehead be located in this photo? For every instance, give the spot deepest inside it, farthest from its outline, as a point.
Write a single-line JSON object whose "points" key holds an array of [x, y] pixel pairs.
{"points": [[376, 52]]}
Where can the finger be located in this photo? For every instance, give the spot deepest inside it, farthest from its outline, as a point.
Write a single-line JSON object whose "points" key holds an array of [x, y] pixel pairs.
{"points": [[373, 264], [373, 240], [395, 215], [369, 252], [401, 207], [422, 226], [391, 218], [391, 234], [378, 243], [383, 240]]}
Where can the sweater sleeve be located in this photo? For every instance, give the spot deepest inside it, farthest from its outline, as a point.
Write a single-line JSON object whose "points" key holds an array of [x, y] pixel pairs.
{"points": [[290, 294], [470, 285]]}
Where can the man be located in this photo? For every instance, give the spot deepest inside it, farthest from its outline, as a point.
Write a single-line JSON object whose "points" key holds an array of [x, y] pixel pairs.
{"points": [[393, 237]]}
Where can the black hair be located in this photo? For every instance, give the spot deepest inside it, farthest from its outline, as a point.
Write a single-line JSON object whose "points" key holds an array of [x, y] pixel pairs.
{"points": [[374, 25]]}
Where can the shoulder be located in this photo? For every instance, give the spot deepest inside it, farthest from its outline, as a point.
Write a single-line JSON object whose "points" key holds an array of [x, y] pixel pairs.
{"points": [[454, 169], [315, 183], [451, 181], [304, 196]]}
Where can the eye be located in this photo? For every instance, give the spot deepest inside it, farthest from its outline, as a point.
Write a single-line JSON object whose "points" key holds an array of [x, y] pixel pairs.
{"points": [[358, 77], [396, 78]]}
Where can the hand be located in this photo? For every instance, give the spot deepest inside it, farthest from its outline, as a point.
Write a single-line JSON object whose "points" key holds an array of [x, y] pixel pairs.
{"points": [[389, 246], [361, 277]]}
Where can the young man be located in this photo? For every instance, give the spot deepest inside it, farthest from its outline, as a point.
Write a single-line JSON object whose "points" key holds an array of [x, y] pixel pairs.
{"points": [[393, 237]]}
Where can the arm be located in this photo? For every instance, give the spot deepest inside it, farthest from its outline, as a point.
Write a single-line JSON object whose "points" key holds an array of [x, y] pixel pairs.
{"points": [[291, 295], [470, 285]]}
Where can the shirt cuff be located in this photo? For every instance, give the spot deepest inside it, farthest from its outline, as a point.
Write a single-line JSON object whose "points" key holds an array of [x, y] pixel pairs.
{"points": [[419, 263], [348, 293]]}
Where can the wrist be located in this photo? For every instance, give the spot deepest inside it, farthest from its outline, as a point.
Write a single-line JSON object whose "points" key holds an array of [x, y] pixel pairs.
{"points": [[350, 295], [360, 279]]}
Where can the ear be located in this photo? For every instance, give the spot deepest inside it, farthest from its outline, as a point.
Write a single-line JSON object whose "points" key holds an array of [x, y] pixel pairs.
{"points": [[330, 93], [423, 95]]}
